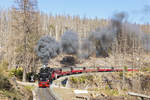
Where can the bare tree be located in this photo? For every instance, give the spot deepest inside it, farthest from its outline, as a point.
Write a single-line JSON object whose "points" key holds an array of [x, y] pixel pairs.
{"points": [[25, 24]]}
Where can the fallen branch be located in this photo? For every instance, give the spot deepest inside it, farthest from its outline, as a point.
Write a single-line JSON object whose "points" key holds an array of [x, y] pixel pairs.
{"points": [[138, 95]]}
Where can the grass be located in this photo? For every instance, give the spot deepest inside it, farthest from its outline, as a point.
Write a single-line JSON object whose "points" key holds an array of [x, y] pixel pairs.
{"points": [[111, 92], [13, 95], [81, 79], [106, 90], [145, 69], [29, 88], [129, 74], [121, 74]]}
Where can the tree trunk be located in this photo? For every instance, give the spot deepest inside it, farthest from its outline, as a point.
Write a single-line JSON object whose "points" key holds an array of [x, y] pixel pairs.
{"points": [[24, 75]]}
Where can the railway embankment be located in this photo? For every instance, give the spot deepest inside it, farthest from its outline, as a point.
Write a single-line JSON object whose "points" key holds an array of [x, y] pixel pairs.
{"points": [[104, 86], [10, 89]]}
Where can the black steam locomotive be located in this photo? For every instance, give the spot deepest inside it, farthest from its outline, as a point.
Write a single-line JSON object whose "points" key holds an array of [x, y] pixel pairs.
{"points": [[45, 77]]}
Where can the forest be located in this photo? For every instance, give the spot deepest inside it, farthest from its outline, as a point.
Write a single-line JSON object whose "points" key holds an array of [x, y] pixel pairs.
{"points": [[23, 25]]}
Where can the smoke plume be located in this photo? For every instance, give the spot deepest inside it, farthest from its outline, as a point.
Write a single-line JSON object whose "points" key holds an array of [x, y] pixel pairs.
{"points": [[69, 42], [100, 40], [47, 48], [86, 49]]}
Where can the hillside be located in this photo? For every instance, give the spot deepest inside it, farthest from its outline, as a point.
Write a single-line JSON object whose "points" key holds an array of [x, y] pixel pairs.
{"points": [[10, 90], [111, 61]]}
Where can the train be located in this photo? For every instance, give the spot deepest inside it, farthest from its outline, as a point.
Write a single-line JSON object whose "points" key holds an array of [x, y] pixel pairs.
{"points": [[46, 75]]}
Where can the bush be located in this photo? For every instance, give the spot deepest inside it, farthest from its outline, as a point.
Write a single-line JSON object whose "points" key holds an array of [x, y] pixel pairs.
{"points": [[145, 82], [111, 92], [17, 73], [121, 74], [74, 80], [145, 69], [4, 83], [81, 79]]}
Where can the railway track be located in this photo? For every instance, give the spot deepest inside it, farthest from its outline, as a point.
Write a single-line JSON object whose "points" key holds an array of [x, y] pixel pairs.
{"points": [[45, 94]]}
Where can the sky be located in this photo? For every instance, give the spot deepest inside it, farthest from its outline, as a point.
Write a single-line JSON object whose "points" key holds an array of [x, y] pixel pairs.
{"points": [[94, 8]]}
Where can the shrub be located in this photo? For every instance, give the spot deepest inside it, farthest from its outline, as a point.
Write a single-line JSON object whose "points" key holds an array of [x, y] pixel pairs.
{"points": [[74, 80], [81, 79], [4, 83], [17, 73], [145, 82], [89, 77], [145, 69], [111, 92], [121, 74]]}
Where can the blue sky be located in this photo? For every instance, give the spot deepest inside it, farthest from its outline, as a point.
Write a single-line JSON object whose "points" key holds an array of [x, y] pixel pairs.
{"points": [[93, 8]]}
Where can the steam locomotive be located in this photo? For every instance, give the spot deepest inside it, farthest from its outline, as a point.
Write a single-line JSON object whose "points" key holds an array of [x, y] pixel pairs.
{"points": [[47, 74]]}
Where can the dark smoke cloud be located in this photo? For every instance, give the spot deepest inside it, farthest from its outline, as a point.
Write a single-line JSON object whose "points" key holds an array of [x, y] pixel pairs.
{"points": [[47, 48], [69, 42], [117, 21], [100, 40], [119, 17], [87, 48]]}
